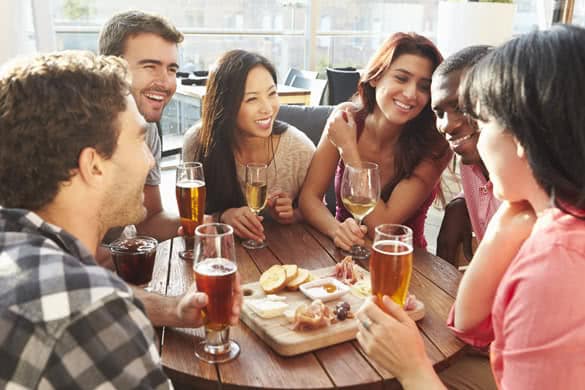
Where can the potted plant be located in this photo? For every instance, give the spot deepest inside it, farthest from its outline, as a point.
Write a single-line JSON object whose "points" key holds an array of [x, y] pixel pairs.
{"points": [[462, 24]]}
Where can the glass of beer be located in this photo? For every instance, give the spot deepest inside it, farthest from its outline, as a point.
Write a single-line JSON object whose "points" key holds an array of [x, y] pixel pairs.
{"points": [[256, 192], [215, 274], [190, 191], [391, 262], [360, 190], [134, 259]]}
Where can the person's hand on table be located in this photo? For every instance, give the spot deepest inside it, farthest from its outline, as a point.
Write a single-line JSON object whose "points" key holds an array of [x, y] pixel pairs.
{"points": [[349, 233], [280, 207], [246, 224], [393, 340], [192, 302]]}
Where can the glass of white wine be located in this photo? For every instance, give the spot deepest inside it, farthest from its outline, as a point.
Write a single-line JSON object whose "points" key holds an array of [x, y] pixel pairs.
{"points": [[360, 190], [256, 192]]}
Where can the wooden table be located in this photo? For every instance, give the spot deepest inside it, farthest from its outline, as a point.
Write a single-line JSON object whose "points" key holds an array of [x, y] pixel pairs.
{"points": [[434, 281], [286, 93]]}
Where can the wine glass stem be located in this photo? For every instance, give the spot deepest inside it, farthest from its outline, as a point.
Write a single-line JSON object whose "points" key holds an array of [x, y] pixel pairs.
{"points": [[257, 214]]}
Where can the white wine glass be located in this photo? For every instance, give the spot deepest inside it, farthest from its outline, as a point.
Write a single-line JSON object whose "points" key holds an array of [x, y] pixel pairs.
{"points": [[360, 191], [256, 195], [215, 274]]}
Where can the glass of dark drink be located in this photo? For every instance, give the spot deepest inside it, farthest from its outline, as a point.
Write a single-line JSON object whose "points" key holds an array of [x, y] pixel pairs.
{"points": [[190, 191], [134, 258], [215, 269], [391, 262]]}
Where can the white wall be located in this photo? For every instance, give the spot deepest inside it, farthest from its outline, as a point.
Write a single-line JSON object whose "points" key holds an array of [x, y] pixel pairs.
{"points": [[16, 29], [473, 23]]}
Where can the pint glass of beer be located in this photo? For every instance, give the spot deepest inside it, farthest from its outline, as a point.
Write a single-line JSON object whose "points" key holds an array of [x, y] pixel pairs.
{"points": [[190, 191], [391, 262], [215, 274]]}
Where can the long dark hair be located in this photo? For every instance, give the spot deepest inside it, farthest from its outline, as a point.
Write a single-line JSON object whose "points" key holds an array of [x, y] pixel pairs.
{"points": [[214, 142], [419, 136], [540, 102]]}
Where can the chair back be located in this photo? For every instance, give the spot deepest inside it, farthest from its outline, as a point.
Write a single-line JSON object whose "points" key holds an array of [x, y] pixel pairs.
{"points": [[311, 121], [316, 86], [292, 72], [342, 84]]}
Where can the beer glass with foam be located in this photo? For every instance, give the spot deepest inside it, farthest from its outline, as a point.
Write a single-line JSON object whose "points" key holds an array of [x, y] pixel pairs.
{"points": [[360, 190], [215, 274], [190, 191], [256, 192], [391, 262]]}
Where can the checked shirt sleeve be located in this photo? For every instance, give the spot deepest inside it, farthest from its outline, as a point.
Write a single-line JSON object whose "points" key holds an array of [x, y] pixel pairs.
{"points": [[108, 345]]}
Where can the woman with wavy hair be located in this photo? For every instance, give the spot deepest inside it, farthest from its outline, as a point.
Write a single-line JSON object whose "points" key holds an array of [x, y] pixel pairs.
{"points": [[238, 127], [394, 126]]}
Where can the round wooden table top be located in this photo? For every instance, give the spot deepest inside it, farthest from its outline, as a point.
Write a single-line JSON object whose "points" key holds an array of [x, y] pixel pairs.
{"points": [[434, 282]]}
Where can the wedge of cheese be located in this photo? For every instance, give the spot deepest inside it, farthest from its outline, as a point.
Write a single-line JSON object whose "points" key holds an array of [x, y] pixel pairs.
{"points": [[268, 307]]}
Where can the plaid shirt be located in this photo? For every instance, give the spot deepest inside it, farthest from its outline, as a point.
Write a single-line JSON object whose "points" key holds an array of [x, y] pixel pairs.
{"points": [[66, 322]]}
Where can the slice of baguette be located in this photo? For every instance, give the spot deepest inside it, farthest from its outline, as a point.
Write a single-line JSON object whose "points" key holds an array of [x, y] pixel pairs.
{"points": [[273, 279], [303, 276], [291, 271]]}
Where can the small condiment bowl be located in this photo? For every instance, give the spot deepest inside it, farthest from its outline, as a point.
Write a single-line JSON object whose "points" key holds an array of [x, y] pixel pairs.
{"points": [[325, 289]]}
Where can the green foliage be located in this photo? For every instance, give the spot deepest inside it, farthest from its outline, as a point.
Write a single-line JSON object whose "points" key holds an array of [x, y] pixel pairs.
{"points": [[76, 9]]}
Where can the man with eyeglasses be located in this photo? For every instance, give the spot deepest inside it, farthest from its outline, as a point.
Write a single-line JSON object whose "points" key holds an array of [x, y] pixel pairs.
{"points": [[473, 209]]}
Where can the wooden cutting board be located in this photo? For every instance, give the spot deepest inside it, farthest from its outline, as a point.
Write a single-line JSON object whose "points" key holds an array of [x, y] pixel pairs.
{"points": [[277, 332]]}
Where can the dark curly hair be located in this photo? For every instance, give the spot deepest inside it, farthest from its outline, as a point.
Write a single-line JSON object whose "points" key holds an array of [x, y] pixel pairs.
{"points": [[52, 107]]}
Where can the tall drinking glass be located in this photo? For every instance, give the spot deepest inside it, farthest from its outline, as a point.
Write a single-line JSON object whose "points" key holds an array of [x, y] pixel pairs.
{"points": [[256, 191], [360, 190], [215, 274], [391, 262], [190, 190]]}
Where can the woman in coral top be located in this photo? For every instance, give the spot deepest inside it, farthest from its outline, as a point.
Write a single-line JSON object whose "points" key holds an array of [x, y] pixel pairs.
{"points": [[524, 290]]}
